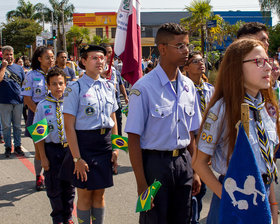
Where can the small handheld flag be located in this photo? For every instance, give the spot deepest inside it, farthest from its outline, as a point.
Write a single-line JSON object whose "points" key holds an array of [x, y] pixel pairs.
{"points": [[244, 198], [39, 131], [119, 142], [144, 200], [125, 111]]}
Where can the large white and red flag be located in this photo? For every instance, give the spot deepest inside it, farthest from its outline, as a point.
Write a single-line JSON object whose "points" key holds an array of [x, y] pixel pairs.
{"points": [[128, 40]]}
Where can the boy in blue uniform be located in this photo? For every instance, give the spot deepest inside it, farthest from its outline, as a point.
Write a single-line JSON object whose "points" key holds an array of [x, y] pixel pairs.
{"points": [[54, 148], [163, 114], [195, 69]]}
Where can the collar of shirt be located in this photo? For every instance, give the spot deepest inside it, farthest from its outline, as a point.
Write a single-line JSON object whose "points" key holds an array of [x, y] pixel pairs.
{"points": [[90, 81], [258, 100], [164, 78], [206, 87]]}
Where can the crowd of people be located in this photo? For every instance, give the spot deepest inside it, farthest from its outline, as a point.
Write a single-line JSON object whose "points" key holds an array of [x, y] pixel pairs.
{"points": [[180, 127]]}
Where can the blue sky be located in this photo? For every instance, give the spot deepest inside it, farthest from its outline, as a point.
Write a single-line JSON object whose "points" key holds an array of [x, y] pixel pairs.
{"points": [[83, 6]]}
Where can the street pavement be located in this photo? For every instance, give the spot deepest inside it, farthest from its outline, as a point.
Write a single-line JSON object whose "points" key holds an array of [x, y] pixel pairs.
{"points": [[20, 203]]}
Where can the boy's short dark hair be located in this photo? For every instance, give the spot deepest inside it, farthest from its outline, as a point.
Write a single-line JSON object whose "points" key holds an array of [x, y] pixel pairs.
{"points": [[60, 52], [192, 54], [167, 31], [251, 28], [55, 71]]}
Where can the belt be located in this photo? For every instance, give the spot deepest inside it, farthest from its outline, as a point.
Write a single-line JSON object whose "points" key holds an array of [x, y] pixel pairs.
{"points": [[101, 131], [64, 145], [173, 153]]}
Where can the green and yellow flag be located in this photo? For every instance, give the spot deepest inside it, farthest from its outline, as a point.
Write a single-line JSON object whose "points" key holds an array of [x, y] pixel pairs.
{"points": [[144, 200], [39, 131], [119, 142], [125, 111]]}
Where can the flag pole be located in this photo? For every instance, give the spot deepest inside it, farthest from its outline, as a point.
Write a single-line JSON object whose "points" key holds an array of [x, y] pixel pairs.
{"points": [[245, 117]]}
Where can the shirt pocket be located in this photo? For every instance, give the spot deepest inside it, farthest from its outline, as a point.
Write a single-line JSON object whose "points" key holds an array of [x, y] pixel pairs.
{"points": [[161, 111], [272, 136], [89, 106], [189, 110]]}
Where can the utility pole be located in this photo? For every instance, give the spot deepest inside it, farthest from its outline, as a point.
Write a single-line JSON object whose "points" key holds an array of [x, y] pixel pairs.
{"points": [[63, 32], [54, 40]]}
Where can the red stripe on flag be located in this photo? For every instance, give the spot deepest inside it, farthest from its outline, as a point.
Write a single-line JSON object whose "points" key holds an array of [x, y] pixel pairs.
{"points": [[132, 55]]}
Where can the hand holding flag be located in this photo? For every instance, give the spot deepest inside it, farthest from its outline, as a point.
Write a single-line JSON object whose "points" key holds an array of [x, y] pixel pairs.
{"points": [[144, 200], [119, 142], [39, 131], [125, 111]]}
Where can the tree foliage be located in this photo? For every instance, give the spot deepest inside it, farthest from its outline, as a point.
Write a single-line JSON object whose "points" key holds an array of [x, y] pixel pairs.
{"points": [[274, 39], [97, 40], [58, 8], [272, 5], [77, 35], [200, 11], [26, 10], [20, 32]]}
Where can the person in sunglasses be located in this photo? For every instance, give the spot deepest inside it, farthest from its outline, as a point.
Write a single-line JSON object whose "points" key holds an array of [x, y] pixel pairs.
{"points": [[195, 68]]}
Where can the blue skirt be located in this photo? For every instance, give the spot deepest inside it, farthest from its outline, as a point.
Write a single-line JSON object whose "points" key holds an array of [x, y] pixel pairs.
{"points": [[96, 150]]}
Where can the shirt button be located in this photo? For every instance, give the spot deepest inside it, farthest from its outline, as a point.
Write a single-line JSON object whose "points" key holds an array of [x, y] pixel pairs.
{"points": [[179, 120], [162, 115], [179, 137]]}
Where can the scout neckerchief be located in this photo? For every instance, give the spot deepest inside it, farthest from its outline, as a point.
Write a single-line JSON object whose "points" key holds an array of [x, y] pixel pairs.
{"points": [[45, 77], [262, 138], [58, 117], [202, 97]]}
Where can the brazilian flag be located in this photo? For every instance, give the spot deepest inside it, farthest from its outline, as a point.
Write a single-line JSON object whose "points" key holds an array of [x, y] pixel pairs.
{"points": [[119, 142], [144, 200], [125, 111], [39, 131]]}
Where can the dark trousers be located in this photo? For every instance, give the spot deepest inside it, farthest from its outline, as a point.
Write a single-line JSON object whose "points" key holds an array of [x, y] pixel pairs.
{"points": [[119, 119], [173, 200], [61, 193]]}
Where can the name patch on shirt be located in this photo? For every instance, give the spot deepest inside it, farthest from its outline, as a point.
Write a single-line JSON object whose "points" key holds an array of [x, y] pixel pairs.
{"points": [[48, 106], [36, 79], [135, 92], [87, 95]]}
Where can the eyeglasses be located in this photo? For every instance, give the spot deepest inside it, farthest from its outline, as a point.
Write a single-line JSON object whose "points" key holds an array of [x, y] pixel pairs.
{"points": [[180, 47], [260, 62], [196, 61], [275, 69], [95, 58]]}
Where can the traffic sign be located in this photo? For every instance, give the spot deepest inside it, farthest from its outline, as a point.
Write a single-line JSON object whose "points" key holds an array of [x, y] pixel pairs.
{"points": [[211, 23]]}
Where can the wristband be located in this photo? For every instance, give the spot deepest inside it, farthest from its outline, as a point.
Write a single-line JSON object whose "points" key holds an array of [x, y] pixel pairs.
{"points": [[274, 203]]}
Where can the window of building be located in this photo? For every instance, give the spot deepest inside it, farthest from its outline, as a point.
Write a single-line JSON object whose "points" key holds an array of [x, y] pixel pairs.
{"points": [[99, 32], [113, 32]]}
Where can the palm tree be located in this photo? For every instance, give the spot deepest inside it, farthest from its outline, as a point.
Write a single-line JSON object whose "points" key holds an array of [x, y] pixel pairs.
{"points": [[273, 5], [26, 10], [200, 11], [58, 8]]}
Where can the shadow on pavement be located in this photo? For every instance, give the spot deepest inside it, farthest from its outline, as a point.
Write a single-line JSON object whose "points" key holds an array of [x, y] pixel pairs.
{"points": [[15, 192], [124, 169]]}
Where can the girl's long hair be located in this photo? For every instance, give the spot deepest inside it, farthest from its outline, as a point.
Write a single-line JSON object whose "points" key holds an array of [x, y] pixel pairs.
{"points": [[230, 87]]}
